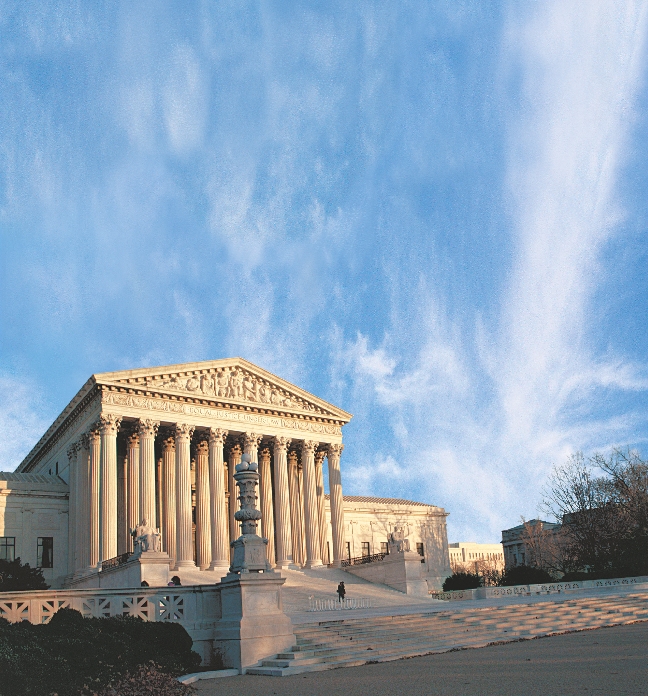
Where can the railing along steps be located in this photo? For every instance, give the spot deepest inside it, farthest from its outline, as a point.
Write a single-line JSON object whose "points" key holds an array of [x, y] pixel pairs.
{"points": [[356, 641]]}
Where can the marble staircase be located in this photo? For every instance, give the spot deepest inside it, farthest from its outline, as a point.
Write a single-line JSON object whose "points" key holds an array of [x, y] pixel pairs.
{"points": [[347, 642]]}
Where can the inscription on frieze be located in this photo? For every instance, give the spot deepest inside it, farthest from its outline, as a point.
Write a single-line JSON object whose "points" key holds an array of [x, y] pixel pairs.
{"points": [[152, 404]]}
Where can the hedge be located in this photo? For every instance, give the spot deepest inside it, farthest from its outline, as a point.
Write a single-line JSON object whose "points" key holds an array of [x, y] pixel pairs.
{"points": [[72, 655]]}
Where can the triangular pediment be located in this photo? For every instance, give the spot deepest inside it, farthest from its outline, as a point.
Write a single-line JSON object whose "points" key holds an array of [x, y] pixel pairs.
{"points": [[233, 380]]}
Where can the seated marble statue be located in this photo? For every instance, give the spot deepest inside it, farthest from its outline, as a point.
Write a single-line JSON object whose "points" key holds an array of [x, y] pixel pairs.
{"points": [[397, 540], [146, 538]]}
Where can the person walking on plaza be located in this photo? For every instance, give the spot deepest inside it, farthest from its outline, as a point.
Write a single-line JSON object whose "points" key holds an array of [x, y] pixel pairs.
{"points": [[341, 591]]}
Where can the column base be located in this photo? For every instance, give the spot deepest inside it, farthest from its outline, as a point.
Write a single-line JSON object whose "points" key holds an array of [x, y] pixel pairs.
{"points": [[313, 564], [219, 565], [185, 564]]}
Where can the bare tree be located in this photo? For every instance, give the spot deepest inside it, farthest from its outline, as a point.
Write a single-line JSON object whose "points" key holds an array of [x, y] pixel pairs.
{"points": [[602, 503]]}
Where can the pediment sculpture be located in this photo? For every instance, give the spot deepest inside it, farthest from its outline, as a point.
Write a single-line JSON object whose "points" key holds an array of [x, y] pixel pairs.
{"points": [[232, 383]]}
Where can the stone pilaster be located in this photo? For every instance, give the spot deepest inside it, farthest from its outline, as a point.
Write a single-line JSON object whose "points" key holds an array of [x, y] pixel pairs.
{"points": [[282, 503], [147, 430], [169, 533], [321, 504], [313, 557], [108, 426], [337, 507], [267, 515], [203, 523], [234, 458], [133, 485], [218, 508], [74, 501], [83, 512], [184, 543], [295, 508]]}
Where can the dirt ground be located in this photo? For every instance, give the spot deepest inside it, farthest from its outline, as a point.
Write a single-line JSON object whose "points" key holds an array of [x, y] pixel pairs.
{"points": [[605, 661]]}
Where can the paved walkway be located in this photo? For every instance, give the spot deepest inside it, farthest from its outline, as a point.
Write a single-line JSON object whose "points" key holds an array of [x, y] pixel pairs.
{"points": [[607, 661]]}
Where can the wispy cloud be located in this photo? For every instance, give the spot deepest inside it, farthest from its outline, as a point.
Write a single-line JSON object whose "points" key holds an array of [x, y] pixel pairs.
{"points": [[480, 418]]}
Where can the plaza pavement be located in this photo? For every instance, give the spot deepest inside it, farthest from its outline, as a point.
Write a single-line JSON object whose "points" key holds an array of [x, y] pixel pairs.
{"points": [[607, 661]]}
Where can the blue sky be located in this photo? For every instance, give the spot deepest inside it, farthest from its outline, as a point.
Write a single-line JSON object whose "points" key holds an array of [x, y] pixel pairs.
{"points": [[431, 214]]}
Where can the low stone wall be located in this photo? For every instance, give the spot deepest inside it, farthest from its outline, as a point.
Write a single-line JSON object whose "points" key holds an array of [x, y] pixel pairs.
{"points": [[529, 590], [236, 623]]}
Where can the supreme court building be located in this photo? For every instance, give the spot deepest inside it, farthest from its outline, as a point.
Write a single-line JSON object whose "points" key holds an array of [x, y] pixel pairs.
{"points": [[161, 444]]}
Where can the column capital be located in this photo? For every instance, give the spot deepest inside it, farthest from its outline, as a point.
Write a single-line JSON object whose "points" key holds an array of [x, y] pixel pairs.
{"points": [[147, 427], [236, 449], [309, 446], [72, 450], [94, 436], [184, 431], [282, 443], [109, 423], [320, 455], [335, 450], [265, 452], [252, 439], [217, 436], [202, 447], [133, 440]]}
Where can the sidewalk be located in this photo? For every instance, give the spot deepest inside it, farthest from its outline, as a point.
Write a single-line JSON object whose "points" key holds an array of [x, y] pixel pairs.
{"points": [[606, 661]]}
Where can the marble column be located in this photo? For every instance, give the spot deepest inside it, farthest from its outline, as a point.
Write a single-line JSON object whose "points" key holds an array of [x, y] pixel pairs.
{"points": [[313, 556], [321, 504], [282, 503], [218, 509], [83, 510], [251, 445], [94, 497], [73, 505], [122, 503], [336, 501], [184, 528], [267, 516], [234, 459], [169, 496], [108, 426], [147, 430], [159, 492], [295, 504], [133, 485], [203, 521]]}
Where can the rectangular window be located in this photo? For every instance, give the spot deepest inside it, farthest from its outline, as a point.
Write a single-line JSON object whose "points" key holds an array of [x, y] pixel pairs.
{"points": [[365, 548], [419, 550], [348, 550], [383, 547], [8, 548], [45, 552]]}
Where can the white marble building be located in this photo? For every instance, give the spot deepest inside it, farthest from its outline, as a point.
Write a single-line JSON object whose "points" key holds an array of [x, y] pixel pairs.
{"points": [[161, 443]]}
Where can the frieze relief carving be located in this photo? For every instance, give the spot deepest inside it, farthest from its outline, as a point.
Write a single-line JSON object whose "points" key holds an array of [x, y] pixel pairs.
{"points": [[116, 399], [232, 384]]}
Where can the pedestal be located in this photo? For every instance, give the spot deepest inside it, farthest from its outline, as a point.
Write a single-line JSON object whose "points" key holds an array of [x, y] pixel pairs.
{"points": [[253, 625]]}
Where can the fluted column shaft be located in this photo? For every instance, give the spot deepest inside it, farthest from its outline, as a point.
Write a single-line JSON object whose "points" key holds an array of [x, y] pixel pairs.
{"points": [[108, 426], [218, 504], [169, 497], [73, 506], [234, 459], [147, 430], [267, 516], [282, 503], [337, 504], [83, 496], [313, 556], [184, 543], [133, 485], [321, 504], [295, 504], [122, 505], [203, 523], [95, 487]]}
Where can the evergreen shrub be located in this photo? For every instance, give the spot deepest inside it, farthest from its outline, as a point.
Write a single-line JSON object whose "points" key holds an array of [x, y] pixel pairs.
{"points": [[71, 655], [462, 581]]}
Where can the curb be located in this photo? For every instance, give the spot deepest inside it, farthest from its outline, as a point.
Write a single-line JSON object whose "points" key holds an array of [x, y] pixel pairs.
{"points": [[191, 678]]}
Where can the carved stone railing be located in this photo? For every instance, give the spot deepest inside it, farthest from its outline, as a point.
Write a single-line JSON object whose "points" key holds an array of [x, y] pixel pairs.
{"points": [[540, 589], [361, 560]]}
